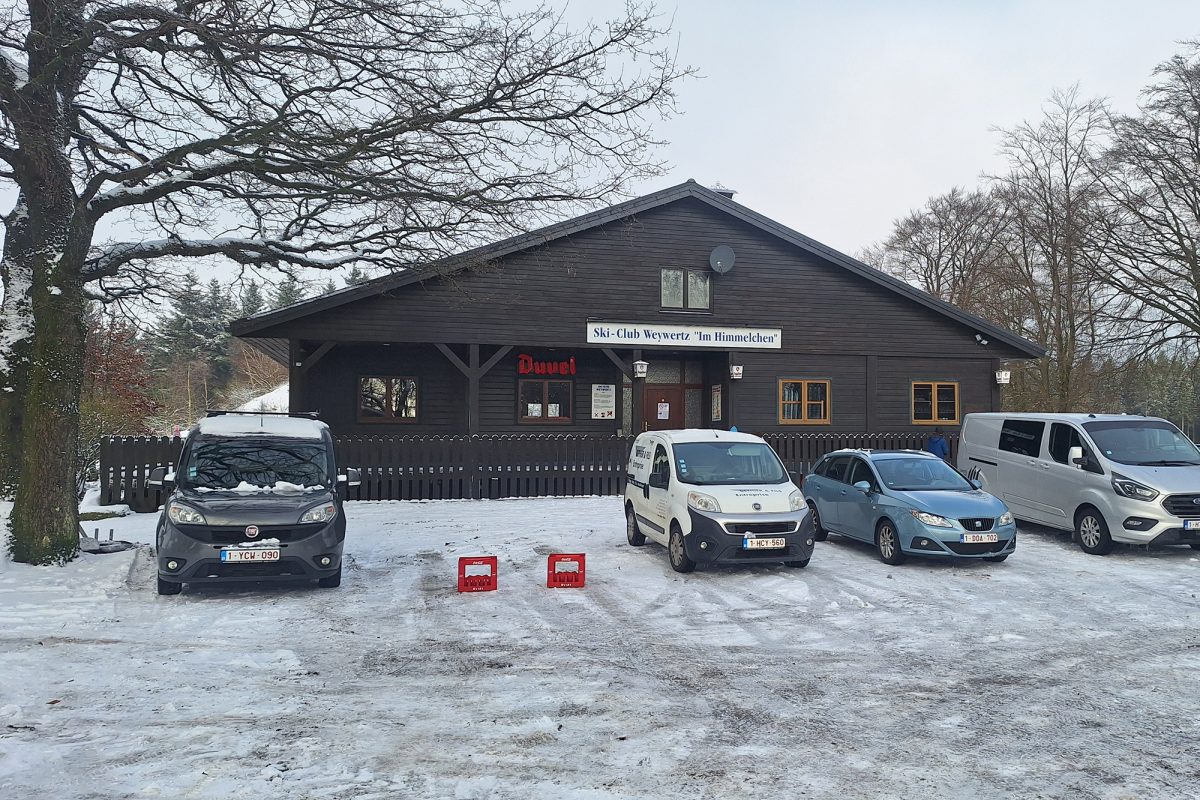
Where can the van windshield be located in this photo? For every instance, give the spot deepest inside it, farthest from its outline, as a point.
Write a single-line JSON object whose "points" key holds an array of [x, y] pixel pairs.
{"points": [[726, 463], [920, 475], [1143, 442], [226, 464]]}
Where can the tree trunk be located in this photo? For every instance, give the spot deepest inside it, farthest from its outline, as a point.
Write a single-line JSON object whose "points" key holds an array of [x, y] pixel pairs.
{"points": [[16, 338], [45, 515]]}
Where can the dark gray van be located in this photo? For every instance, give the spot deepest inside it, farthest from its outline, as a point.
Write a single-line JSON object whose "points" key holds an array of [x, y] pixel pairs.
{"points": [[254, 497]]}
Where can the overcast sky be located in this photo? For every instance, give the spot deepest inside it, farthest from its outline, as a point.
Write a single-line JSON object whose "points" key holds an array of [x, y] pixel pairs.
{"points": [[835, 118]]}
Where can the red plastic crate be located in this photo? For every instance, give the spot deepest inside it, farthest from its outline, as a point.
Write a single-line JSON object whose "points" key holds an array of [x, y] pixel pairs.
{"points": [[566, 571], [477, 583]]}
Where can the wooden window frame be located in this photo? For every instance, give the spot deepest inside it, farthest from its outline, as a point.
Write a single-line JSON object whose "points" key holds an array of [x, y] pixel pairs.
{"points": [[686, 308], [935, 385], [805, 419], [524, 420], [387, 420]]}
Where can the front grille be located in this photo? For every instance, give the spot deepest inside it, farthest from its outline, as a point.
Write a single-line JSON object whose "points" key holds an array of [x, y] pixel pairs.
{"points": [[962, 549], [976, 524], [236, 534], [268, 569], [1183, 505], [760, 527]]}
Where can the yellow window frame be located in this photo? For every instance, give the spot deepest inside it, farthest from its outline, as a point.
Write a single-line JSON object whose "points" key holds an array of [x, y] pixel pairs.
{"points": [[805, 419], [934, 386]]}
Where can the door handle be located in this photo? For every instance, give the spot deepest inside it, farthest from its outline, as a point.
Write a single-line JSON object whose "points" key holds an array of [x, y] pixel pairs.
{"points": [[843, 491]]}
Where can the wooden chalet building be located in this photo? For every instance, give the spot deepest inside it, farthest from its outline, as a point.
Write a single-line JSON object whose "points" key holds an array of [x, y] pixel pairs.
{"points": [[735, 320]]}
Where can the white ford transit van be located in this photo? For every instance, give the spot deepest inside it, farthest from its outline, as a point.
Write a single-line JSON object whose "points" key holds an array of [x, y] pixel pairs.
{"points": [[715, 497], [1106, 477]]}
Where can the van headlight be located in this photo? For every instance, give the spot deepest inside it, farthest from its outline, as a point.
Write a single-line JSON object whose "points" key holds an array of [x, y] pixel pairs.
{"points": [[796, 501], [1006, 518], [933, 520], [1127, 487], [320, 513], [703, 502], [185, 515]]}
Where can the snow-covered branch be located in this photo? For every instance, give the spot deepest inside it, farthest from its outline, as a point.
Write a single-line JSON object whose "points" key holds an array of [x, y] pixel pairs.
{"points": [[108, 261]]}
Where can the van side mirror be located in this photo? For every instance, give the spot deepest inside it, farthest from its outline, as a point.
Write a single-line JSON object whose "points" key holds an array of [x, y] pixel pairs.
{"points": [[161, 478], [1075, 456], [863, 486], [353, 477], [658, 480]]}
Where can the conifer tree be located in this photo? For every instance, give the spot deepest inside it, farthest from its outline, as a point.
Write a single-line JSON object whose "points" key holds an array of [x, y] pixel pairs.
{"points": [[252, 300], [288, 293]]}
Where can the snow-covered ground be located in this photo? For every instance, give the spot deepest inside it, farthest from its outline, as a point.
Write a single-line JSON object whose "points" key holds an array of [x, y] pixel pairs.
{"points": [[1053, 675]]}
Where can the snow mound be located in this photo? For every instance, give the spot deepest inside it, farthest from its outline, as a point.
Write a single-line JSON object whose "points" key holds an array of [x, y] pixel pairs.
{"points": [[274, 400]]}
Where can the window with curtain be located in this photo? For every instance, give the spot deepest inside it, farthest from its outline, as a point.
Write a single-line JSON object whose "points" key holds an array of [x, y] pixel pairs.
{"points": [[803, 402]]}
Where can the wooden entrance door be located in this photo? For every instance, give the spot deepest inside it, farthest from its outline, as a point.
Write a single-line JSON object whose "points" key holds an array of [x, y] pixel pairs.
{"points": [[663, 409]]}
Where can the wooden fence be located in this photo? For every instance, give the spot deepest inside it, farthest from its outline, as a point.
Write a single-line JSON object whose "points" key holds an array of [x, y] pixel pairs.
{"points": [[462, 467]]}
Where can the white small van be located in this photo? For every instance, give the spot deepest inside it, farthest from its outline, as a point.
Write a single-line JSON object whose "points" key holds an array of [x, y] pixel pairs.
{"points": [[1106, 477], [714, 497]]}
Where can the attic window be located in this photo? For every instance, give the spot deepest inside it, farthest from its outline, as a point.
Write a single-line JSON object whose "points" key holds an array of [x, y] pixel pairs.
{"points": [[686, 290]]}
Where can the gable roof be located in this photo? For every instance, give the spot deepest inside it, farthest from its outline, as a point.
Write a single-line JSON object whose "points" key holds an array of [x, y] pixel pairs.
{"points": [[249, 326]]}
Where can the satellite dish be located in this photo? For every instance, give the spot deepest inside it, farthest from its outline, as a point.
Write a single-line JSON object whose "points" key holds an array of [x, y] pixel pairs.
{"points": [[721, 259]]}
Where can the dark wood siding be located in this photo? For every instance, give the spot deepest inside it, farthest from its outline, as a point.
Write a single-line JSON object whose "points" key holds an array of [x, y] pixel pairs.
{"points": [[896, 376], [547, 294], [870, 342], [331, 387], [757, 392], [498, 393]]}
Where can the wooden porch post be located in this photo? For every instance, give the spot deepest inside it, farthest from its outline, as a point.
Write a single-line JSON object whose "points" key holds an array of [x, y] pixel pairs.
{"points": [[473, 376], [639, 400], [731, 403], [295, 390]]}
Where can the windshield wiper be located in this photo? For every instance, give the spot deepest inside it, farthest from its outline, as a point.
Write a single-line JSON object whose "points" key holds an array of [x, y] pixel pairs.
{"points": [[1169, 463]]}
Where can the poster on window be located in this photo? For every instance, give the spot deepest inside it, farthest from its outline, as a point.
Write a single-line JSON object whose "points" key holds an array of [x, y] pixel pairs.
{"points": [[604, 401], [664, 410], [552, 410], [533, 410], [716, 402]]}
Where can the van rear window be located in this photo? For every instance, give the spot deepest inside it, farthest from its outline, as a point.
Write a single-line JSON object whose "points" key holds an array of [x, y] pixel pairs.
{"points": [[1022, 436]]}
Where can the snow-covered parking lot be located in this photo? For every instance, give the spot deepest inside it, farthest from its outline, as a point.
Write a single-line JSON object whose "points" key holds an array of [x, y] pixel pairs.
{"points": [[1055, 674]]}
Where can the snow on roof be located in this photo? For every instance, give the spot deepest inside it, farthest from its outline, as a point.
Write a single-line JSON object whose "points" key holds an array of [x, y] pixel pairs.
{"points": [[261, 425]]}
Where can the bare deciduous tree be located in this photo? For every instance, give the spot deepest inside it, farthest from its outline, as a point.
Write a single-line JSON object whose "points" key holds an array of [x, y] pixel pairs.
{"points": [[284, 133], [1052, 246], [1152, 180], [950, 247]]}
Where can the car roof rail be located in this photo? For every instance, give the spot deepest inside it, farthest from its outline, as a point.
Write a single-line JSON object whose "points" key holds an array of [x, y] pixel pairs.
{"points": [[216, 412]]}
